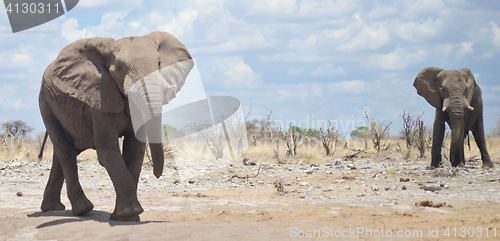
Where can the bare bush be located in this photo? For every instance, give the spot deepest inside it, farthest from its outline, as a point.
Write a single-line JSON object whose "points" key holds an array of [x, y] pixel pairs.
{"points": [[293, 138], [379, 133], [274, 133], [416, 135], [213, 135], [329, 138]]}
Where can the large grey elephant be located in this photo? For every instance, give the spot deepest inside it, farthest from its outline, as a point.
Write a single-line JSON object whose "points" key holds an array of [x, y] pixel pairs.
{"points": [[458, 102], [85, 102]]}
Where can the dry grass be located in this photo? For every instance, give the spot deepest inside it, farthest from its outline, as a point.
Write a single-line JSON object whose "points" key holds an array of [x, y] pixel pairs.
{"points": [[262, 152]]}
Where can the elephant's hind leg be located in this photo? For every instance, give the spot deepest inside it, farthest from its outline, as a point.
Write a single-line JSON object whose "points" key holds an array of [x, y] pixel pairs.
{"points": [[52, 194], [80, 204], [478, 132]]}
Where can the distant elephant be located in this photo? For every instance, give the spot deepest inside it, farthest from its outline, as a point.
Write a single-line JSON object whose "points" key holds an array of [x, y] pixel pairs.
{"points": [[85, 102], [458, 101]]}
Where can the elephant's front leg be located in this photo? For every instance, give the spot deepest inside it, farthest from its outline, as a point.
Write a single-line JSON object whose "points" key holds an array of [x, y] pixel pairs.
{"points": [[127, 206], [437, 138], [133, 155]]}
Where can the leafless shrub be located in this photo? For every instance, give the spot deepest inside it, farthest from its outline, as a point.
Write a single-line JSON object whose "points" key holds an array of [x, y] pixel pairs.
{"points": [[292, 139], [280, 187], [274, 133], [329, 138], [379, 133], [416, 135], [213, 135]]}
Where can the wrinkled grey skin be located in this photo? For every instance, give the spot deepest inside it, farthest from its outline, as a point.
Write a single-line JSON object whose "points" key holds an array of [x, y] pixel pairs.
{"points": [[83, 102], [458, 102]]}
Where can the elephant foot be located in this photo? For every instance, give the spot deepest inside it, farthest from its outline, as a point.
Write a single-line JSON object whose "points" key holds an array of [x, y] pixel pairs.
{"points": [[48, 205], [130, 207], [134, 218], [81, 208], [487, 164], [435, 164]]}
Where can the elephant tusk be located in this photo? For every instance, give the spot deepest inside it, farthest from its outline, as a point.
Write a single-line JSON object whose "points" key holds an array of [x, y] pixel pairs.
{"points": [[470, 108], [171, 87], [444, 108]]}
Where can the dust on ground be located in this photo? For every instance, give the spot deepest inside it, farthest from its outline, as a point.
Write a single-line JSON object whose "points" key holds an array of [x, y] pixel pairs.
{"points": [[344, 199]]}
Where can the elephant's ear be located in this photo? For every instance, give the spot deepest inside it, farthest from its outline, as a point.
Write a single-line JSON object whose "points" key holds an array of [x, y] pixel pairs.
{"points": [[427, 85], [80, 71], [176, 62], [471, 84]]}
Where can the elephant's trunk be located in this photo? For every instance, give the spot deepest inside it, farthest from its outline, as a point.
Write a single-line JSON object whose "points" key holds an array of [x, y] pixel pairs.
{"points": [[146, 97], [156, 148], [457, 126], [154, 130]]}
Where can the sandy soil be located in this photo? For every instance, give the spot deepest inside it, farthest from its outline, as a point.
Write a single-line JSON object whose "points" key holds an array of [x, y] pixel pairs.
{"points": [[358, 199]]}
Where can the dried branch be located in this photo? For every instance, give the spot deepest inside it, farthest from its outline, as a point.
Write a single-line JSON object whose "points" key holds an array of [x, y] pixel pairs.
{"points": [[245, 177]]}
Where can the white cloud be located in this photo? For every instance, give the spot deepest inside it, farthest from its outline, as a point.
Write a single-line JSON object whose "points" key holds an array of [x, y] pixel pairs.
{"points": [[496, 33], [308, 44], [317, 90], [417, 31], [272, 7], [292, 95], [381, 12], [9, 100], [70, 32], [22, 60], [330, 8], [295, 71], [91, 3], [253, 40], [413, 9], [397, 60], [295, 57], [178, 26], [466, 47], [368, 38], [352, 87], [305, 9], [236, 73], [109, 5], [328, 69]]}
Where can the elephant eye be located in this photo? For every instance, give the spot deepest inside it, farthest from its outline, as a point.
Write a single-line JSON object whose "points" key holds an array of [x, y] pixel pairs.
{"points": [[159, 63]]}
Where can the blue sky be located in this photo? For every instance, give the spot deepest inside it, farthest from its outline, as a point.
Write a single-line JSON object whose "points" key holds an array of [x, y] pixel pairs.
{"points": [[308, 61]]}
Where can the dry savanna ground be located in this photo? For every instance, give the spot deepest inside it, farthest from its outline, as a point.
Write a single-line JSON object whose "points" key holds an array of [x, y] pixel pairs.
{"points": [[369, 196]]}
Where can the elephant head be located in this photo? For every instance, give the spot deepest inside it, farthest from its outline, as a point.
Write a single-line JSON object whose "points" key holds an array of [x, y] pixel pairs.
{"points": [[451, 92], [140, 73]]}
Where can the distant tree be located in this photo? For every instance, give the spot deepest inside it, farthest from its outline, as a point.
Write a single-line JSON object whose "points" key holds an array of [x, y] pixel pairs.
{"points": [[361, 132], [308, 132], [16, 129], [172, 131], [496, 130]]}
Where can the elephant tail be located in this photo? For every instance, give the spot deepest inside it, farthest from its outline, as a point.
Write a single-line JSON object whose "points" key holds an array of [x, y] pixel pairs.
{"points": [[40, 155]]}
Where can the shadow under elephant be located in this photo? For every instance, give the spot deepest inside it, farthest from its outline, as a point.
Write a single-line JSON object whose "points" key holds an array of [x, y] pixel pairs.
{"points": [[66, 216]]}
